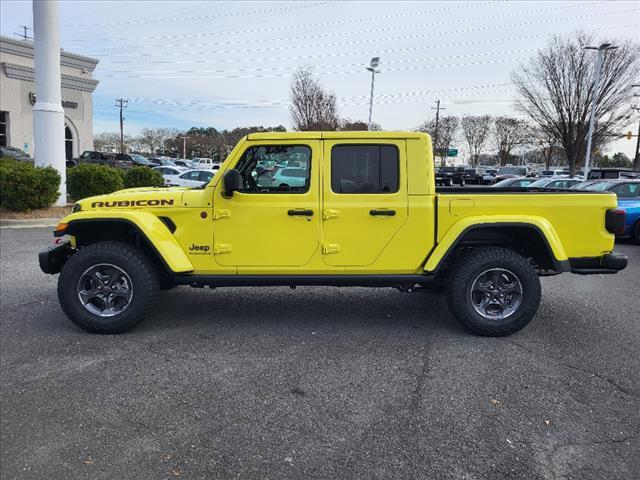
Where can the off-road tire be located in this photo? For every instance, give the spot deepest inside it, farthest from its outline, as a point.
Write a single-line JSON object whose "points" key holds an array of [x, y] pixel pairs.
{"points": [[137, 266], [465, 271]]}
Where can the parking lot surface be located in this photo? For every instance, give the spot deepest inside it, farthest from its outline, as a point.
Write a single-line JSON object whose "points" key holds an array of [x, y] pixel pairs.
{"points": [[273, 383]]}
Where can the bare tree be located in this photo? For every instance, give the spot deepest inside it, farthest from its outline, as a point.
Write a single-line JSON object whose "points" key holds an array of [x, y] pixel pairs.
{"points": [[106, 141], [509, 133], [149, 138], [556, 91], [475, 130], [447, 130], [357, 125], [312, 108]]}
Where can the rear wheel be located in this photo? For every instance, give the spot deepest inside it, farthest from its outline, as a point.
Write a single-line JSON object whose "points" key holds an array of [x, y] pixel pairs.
{"points": [[107, 287], [635, 235], [449, 182], [493, 291]]}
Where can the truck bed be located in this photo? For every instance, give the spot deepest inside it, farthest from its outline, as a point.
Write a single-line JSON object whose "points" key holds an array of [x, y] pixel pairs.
{"points": [[495, 190]]}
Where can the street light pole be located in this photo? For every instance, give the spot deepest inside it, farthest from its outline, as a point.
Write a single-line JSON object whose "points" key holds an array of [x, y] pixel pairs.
{"points": [[594, 99], [375, 61], [184, 147], [636, 158]]}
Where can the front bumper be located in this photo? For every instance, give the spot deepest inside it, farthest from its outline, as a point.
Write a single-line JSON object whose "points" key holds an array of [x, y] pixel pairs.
{"points": [[52, 260], [609, 263]]}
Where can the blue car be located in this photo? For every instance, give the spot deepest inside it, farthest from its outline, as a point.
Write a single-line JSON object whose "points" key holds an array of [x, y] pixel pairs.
{"points": [[628, 192]]}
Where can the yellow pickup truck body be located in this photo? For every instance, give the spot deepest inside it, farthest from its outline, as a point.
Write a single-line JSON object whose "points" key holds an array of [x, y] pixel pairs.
{"points": [[329, 230]]}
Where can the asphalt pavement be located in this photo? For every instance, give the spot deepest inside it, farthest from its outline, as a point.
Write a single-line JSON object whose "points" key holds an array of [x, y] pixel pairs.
{"points": [[351, 383]]}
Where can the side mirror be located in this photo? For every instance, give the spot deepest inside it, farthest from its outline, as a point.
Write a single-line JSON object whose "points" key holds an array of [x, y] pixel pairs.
{"points": [[231, 182]]}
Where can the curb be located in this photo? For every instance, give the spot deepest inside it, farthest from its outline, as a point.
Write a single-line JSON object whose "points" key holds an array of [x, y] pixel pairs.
{"points": [[29, 223]]}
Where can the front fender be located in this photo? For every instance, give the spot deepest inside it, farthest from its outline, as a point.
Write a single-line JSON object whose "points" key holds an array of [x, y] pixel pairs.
{"points": [[458, 229], [148, 225]]}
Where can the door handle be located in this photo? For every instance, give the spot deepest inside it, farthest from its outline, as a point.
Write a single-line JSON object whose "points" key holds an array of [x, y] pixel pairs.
{"points": [[300, 213], [382, 213]]}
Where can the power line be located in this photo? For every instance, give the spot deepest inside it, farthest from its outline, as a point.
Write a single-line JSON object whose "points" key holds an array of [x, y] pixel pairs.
{"points": [[25, 35], [367, 31], [296, 26]]}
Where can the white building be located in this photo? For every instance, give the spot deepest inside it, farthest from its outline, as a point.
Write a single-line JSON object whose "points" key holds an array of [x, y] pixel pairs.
{"points": [[17, 97]]}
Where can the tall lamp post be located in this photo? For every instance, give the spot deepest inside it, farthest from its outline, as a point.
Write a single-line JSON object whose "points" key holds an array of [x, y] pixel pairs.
{"points": [[184, 147], [594, 99], [375, 61], [636, 158], [48, 115]]}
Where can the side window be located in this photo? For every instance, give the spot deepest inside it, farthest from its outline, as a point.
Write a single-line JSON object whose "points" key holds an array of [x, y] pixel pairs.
{"points": [[627, 190], [365, 169], [190, 175], [275, 168], [205, 176]]}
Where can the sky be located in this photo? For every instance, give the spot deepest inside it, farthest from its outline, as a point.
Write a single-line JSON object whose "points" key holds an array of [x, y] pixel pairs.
{"points": [[229, 63]]}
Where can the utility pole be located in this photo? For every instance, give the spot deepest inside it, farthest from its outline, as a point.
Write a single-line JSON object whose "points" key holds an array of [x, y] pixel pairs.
{"points": [[594, 99], [122, 104], [375, 61], [435, 133], [636, 159], [184, 147], [24, 35]]}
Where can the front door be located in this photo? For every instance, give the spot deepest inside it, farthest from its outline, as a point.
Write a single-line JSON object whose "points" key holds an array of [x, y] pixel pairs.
{"points": [[365, 199], [274, 220]]}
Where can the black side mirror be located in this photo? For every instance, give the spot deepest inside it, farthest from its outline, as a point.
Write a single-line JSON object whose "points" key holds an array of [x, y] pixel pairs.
{"points": [[232, 182]]}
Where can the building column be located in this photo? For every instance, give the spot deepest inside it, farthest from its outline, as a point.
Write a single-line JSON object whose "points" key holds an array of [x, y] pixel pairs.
{"points": [[48, 114]]}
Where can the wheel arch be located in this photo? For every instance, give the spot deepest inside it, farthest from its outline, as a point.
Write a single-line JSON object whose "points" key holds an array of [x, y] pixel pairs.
{"points": [[150, 234], [532, 239]]}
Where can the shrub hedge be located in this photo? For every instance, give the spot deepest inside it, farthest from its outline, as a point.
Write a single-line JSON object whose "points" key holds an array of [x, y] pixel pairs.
{"points": [[25, 187], [87, 180], [142, 177]]}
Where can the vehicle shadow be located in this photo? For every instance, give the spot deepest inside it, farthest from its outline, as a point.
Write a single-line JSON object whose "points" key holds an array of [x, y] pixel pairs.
{"points": [[302, 308]]}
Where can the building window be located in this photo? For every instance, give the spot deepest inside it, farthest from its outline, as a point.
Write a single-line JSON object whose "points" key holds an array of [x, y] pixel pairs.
{"points": [[68, 142], [4, 118]]}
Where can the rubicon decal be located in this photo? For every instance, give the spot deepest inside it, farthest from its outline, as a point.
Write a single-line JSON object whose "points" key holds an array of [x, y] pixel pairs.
{"points": [[133, 203]]}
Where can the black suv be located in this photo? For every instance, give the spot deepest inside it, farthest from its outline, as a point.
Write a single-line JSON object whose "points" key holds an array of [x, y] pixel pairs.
{"points": [[612, 173], [447, 176]]}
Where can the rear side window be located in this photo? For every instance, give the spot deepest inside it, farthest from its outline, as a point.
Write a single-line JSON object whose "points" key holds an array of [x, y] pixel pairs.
{"points": [[365, 169]]}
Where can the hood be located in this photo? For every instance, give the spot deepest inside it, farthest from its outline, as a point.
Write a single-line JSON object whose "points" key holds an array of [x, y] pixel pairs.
{"points": [[142, 197]]}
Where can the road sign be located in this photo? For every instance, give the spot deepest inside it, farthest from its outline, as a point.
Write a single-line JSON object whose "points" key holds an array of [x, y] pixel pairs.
{"points": [[449, 152]]}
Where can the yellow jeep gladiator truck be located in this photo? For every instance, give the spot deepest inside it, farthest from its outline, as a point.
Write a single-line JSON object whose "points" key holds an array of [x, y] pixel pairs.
{"points": [[330, 208]]}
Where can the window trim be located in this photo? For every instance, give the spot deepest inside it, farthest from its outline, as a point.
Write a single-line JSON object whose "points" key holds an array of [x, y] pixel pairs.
{"points": [[279, 192], [399, 163]]}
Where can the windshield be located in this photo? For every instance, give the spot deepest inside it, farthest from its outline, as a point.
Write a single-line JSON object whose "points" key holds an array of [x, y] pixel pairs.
{"points": [[540, 183], [600, 186], [504, 183]]}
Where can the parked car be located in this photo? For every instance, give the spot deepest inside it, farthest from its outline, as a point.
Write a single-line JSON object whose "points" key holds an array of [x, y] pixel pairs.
{"points": [[183, 163], [516, 182], [136, 159], [471, 176], [163, 161], [584, 184], [510, 172], [170, 174], [290, 177], [556, 182], [101, 158], [204, 162], [190, 178], [497, 242], [447, 176], [489, 176], [612, 173], [628, 193], [551, 173], [15, 153]]}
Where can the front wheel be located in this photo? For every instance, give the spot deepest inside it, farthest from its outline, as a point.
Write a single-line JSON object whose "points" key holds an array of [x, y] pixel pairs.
{"points": [[107, 287], [493, 291]]}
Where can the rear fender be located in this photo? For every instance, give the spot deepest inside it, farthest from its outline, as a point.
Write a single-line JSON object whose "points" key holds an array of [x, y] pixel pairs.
{"points": [[456, 233]]}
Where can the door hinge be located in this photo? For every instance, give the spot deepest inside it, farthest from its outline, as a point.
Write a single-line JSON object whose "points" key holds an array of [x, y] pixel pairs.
{"points": [[222, 248], [328, 214], [328, 248], [221, 213]]}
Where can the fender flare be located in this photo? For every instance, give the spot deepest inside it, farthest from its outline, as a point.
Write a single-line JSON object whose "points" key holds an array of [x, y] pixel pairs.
{"points": [[458, 230], [149, 226]]}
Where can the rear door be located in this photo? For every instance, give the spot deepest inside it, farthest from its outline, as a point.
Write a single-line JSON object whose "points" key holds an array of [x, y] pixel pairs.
{"points": [[365, 199]]}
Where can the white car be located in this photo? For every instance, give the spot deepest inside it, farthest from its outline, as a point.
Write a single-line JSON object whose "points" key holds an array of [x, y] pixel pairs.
{"points": [[290, 177], [192, 178], [170, 173]]}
